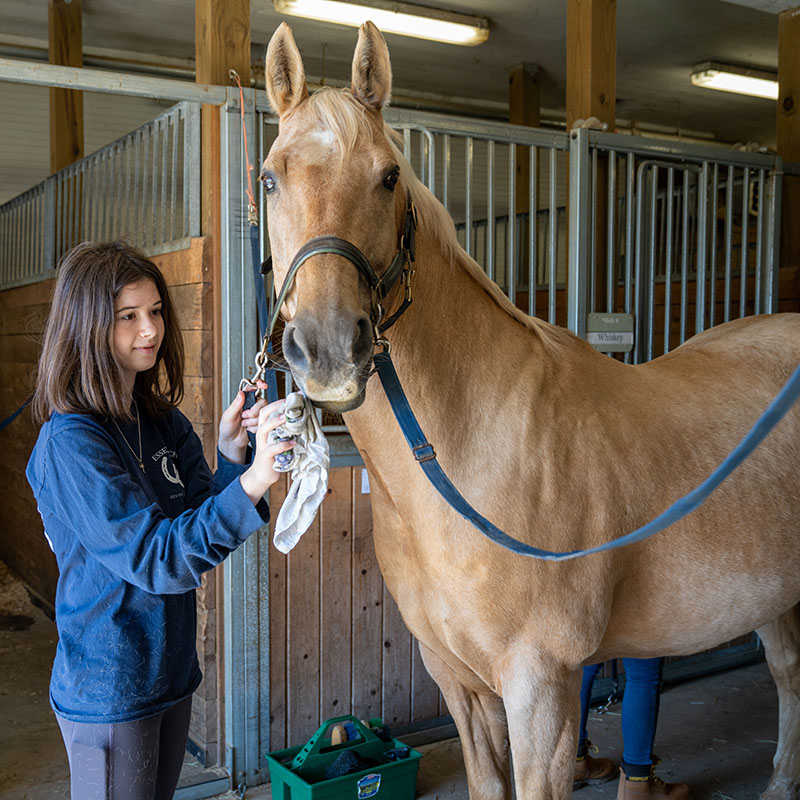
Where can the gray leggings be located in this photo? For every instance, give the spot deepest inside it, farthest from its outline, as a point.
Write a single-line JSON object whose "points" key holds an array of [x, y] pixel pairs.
{"points": [[138, 760]]}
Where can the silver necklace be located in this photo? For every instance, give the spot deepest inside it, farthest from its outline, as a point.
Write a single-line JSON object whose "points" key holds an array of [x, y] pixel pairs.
{"points": [[139, 429]]}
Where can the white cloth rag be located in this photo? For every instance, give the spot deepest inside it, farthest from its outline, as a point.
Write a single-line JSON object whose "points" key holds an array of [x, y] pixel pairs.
{"points": [[308, 462]]}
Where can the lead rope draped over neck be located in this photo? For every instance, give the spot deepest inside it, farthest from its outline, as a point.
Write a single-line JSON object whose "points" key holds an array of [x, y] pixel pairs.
{"points": [[380, 286]]}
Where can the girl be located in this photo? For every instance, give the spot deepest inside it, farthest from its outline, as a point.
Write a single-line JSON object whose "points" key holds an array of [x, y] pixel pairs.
{"points": [[134, 516]]}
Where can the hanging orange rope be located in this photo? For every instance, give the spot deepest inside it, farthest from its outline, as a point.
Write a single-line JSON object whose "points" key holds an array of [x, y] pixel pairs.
{"points": [[252, 210]]}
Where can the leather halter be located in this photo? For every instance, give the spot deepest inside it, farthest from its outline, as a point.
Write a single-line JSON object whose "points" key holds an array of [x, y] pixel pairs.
{"points": [[380, 285]]}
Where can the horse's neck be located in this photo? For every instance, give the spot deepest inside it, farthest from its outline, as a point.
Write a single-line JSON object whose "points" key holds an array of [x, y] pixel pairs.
{"points": [[457, 352]]}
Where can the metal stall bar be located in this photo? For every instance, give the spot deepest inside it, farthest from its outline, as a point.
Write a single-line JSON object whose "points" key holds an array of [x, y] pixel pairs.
{"points": [[773, 223], [669, 256], [651, 260], [533, 224], [728, 242], [759, 245], [611, 204], [469, 156], [579, 220], [702, 230], [713, 217], [246, 599], [511, 247], [745, 245], [553, 241], [489, 265]]}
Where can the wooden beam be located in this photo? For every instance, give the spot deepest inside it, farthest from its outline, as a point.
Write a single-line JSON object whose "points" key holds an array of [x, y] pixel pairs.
{"points": [[591, 60], [222, 43], [591, 92], [523, 95], [523, 109], [66, 105], [788, 130]]}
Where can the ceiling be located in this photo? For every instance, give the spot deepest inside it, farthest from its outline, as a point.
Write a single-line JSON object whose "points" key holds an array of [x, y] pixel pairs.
{"points": [[658, 42]]}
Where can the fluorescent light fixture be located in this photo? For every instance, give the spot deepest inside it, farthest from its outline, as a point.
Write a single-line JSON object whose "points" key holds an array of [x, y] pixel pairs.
{"points": [[731, 78], [403, 18]]}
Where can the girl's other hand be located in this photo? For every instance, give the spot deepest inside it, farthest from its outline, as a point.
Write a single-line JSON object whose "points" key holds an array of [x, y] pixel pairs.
{"points": [[235, 423]]}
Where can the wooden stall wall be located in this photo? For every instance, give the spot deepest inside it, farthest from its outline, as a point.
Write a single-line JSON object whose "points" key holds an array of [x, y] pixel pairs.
{"points": [[338, 644], [24, 549], [23, 312]]}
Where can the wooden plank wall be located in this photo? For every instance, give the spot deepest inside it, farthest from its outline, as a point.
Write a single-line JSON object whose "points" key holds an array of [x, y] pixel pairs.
{"points": [[23, 312], [338, 644]]}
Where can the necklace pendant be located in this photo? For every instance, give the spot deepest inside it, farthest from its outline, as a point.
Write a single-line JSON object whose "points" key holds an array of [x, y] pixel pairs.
{"points": [[141, 466]]}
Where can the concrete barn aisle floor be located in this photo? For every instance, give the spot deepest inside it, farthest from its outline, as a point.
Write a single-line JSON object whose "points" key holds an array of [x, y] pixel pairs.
{"points": [[715, 733]]}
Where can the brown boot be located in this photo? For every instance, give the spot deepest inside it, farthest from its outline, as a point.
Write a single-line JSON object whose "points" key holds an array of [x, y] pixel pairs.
{"points": [[651, 788], [591, 771]]}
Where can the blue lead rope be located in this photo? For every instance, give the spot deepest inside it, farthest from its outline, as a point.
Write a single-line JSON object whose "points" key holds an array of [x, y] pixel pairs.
{"points": [[263, 312], [424, 453], [8, 420]]}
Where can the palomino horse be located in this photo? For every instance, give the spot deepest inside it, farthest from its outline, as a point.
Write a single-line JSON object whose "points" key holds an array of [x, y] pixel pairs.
{"points": [[555, 443]]}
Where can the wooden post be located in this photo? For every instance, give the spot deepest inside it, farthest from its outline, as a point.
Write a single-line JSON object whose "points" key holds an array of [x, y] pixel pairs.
{"points": [[66, 105], [222, 43], [523, 109], [591, 92], [591, 60], [788, 130]]}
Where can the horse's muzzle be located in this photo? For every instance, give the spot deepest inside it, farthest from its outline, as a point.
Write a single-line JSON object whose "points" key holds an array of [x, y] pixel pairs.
{"points": [[331, 363]]}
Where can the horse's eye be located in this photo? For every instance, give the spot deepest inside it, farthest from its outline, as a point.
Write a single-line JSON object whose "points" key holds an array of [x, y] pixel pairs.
{"points": [[390, 181], [269, 183]]}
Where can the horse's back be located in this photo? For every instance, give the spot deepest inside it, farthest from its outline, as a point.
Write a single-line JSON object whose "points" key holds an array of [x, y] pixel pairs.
{"points": [[775, 336]]}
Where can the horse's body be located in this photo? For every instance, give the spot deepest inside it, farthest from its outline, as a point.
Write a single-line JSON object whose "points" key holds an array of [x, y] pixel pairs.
{"points": [[560, 446]]}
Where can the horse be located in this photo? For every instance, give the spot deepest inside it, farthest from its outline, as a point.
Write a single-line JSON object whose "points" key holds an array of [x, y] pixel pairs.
{"points": [[559, 445]]}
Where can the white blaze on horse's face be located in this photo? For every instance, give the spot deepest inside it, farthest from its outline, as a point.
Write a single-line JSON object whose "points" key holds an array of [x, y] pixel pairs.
{"points": [[331, 172]]}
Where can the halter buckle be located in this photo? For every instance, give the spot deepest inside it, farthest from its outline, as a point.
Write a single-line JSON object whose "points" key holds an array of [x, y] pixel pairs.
{"points": [[423, 452]]}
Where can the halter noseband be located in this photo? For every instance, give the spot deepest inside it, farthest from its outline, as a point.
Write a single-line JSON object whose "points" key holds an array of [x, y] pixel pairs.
{"points": [[380, 285]]}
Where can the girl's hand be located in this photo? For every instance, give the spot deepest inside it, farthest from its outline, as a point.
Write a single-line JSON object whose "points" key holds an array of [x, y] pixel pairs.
{"points": [[235, 423], [262, 474]]}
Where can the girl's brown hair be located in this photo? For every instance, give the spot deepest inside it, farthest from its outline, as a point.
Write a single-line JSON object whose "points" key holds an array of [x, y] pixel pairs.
{"points": [[78, 372]]}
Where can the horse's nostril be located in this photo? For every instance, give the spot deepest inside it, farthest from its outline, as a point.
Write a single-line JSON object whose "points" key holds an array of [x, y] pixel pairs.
{"points": [[293, 347], [362, 343]]}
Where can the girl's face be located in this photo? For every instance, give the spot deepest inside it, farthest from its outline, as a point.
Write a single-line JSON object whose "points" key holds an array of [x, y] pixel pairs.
{"points": [[138, 328]]}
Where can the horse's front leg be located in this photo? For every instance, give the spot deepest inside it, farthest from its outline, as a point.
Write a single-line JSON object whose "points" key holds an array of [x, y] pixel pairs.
{"points": [[542, 701], [481, 723]]}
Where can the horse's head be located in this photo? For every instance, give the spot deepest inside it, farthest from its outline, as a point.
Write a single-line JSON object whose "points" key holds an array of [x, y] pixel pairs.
{"points": [[331, 172]]}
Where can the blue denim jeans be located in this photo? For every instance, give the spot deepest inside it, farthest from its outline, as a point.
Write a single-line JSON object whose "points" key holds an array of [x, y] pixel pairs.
{"points": [[639, 707]]}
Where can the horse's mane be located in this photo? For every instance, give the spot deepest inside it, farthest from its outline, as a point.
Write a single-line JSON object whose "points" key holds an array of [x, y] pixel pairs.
{"points": [[337, 111]]}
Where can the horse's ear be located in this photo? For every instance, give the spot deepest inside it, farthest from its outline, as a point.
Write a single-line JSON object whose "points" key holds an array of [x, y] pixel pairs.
{"points": [[284, 73], [372, 71]]}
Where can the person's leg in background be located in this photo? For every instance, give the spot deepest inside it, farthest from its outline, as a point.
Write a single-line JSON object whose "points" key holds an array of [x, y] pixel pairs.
{"points": [[589, 771], [640, 705]]}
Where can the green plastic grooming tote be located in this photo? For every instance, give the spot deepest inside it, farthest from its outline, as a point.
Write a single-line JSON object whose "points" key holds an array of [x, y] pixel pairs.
{"points": [[298, 773]]}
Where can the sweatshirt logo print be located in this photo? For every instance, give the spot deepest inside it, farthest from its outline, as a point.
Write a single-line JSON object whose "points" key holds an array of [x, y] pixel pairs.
{"points": [[172, 476]]}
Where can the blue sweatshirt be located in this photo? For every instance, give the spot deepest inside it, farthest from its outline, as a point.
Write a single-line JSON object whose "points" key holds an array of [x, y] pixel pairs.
{"points": [[131, 547]]}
